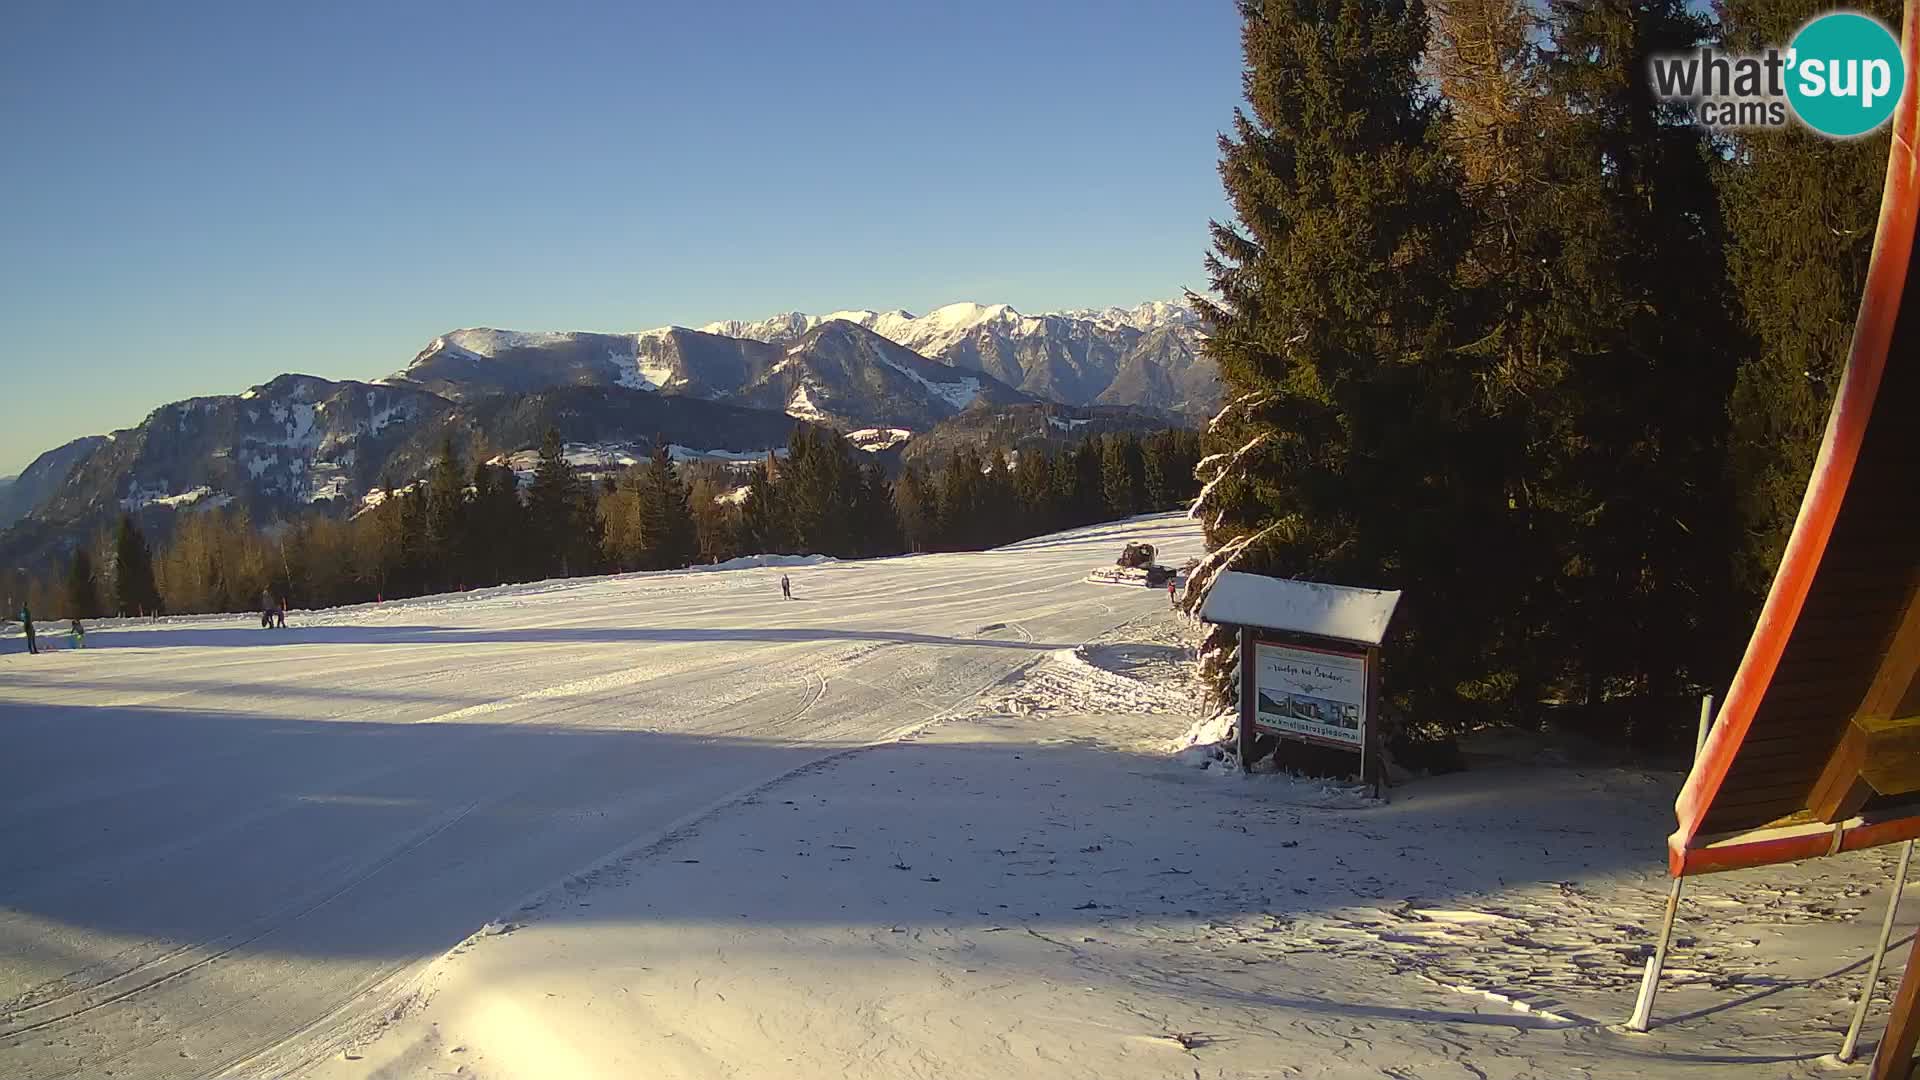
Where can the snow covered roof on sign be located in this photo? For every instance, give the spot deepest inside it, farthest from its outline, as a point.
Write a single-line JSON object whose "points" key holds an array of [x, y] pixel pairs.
{"points": [[1302, 607]]}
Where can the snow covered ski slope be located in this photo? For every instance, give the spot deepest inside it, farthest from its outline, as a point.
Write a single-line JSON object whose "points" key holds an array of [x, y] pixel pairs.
{"points": [[214, 838]]}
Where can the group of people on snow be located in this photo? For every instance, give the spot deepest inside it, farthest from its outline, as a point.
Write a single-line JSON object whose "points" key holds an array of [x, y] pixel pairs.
{"points": [[273, 613], [77, 632]]}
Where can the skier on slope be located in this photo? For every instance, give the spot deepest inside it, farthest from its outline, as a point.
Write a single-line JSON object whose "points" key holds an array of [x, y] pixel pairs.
{"points": [[26, 619], [266, 610], [786, 587]]}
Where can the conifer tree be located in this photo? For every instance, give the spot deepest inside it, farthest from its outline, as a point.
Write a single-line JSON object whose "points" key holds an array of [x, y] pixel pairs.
{"points": [[410, 560], [1086, 501], [667, 522], [1801, 212], [83, 589], [135, 592], [962, 502], [998, 504], [498, 525], [1123, 475], [878, 529], [1170, 457], [764, 525], [1335, 455], [1034, 491], [446, 521], [561, 517], [1643, 604], [916, 500]]}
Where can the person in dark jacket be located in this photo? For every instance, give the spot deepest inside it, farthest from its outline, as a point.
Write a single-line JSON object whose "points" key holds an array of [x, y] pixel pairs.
{"points": [[786, 587], [26, 619]]}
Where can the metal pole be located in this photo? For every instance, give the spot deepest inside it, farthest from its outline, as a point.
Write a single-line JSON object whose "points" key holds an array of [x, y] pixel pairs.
{"points": [[1650, 980], [1852, 1042]]}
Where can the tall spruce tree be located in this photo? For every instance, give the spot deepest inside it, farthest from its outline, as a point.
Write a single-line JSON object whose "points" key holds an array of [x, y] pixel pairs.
{"points": [[83, 587], [134, 590], [763, 518], [1033, 489], [962, 502], [1801, 212], [560, 513], [446, 521], [1642, 606], [877, 522], [1086, 499], [498, 525], [916, 499], [1337, 456], [666, 520], [1123, 475]]}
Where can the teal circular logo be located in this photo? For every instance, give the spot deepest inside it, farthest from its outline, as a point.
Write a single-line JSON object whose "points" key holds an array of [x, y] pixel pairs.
{"points": [[1845, 74]]}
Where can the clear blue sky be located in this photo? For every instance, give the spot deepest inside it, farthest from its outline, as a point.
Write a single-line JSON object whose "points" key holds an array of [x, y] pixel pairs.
{"points": [[196, 197]]}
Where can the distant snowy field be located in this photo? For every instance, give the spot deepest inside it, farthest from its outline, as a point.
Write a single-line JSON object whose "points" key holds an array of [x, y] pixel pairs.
{"points": [[215, 839]]}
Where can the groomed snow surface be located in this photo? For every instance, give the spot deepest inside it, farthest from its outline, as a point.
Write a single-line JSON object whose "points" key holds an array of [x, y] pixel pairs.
{"points": [[930, 818]]}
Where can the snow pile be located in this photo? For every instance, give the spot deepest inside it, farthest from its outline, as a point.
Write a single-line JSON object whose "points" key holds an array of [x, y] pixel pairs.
{"points": [[1205, 740], [744, 562]]}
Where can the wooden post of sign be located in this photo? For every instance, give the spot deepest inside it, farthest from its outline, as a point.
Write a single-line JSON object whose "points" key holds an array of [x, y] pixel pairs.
{"points": [[1366, 710], [1249, 699], [1371, 736]]}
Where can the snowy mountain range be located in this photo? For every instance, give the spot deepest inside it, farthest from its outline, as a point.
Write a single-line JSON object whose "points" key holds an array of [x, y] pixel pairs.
{"points": [[733, 388], [1145, 356]]}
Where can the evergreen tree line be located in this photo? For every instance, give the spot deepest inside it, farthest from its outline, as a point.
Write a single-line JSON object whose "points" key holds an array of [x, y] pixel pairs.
{"points": [[1499, 328], [461, 527]]}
